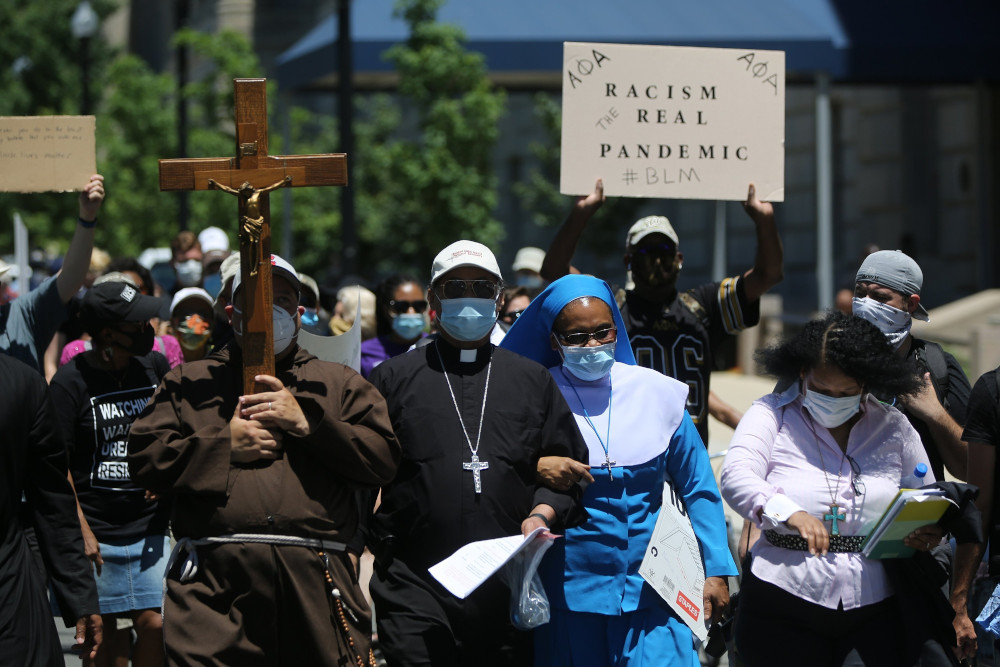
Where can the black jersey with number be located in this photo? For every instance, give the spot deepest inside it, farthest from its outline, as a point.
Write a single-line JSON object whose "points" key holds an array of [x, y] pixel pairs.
{"points": [[680, 338]]}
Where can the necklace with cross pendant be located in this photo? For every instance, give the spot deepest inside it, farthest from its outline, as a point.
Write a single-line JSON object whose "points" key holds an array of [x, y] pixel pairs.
{"points": [[475, 465], [606, 442], [834, 517]]}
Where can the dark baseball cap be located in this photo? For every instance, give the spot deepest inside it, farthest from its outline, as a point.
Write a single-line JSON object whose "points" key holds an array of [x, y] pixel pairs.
{"points": [[118, 302]]}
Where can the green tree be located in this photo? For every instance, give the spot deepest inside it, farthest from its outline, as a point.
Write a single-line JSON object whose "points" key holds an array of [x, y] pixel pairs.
{"points": [[420, 190], [425, 178], [136, 126], [40, 75], [540, 194]]}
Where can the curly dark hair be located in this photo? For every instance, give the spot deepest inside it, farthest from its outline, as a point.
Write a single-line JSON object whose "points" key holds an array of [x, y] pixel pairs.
{"points": [[384, 293], [853, 345]]}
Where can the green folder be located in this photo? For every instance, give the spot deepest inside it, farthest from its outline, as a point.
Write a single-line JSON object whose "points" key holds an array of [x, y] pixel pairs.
{"points": [[909, 510]]}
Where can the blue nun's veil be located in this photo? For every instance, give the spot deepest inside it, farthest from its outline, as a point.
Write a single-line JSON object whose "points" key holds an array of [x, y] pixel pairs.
{"points": [[529, 336]]}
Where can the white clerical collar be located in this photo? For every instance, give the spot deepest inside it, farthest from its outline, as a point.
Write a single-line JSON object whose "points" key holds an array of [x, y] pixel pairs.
{"points": [[468, 356]]}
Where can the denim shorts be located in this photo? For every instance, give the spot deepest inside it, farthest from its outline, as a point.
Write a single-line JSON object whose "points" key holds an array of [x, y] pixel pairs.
{"points": [[132, 574]]}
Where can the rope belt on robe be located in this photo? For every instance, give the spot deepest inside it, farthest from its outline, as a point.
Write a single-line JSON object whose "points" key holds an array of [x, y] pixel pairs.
{"points": [[189, 569], [188, 548]]}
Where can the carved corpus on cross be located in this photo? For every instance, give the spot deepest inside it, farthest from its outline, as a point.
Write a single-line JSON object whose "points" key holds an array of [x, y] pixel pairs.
{"points": [[250, 176]]}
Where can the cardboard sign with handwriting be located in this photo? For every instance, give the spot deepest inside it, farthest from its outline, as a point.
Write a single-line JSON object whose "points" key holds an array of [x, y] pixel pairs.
{"points": [[46, 153], [673, 122]]}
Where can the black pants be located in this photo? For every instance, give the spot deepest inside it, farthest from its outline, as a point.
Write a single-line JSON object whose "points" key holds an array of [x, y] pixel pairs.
{"points": [[420, 624], [775, 628]]}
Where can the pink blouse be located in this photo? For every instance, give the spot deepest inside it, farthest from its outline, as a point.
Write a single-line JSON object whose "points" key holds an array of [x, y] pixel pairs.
{"points": [[168, 346], [775, 467]]}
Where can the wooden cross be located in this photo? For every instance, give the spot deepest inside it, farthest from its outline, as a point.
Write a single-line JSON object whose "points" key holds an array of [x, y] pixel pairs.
{"points": [[250, 176]]}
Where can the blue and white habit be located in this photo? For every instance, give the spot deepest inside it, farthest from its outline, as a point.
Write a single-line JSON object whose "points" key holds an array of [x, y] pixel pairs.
{"points": [[603, 612]]}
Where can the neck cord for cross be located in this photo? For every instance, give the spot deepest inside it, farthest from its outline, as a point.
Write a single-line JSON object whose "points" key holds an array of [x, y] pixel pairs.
{"points": [[476, 465], [833, 516], [586, 415]]}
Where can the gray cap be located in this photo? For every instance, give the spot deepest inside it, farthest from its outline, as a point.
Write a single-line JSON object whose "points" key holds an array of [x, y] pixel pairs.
{"points": [[896, 270], [651, 224]]}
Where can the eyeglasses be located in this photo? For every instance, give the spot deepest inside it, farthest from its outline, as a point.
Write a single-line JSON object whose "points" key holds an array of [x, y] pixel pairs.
{"points": [[511, 316], [578, 338], [856, 483], [404, 306], [456, 289]]}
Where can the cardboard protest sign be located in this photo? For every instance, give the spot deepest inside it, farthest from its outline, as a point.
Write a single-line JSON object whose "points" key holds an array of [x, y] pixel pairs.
{"points": [[46, 153], [673, 122]]}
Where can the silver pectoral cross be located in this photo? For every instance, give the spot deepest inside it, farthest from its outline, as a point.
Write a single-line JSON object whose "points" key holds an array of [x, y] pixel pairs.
{"points": [[607, 464], [477, 466]]}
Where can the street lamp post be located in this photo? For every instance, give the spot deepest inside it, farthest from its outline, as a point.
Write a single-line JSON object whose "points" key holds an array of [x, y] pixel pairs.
{"points": [[84, 25], [345, 95]]}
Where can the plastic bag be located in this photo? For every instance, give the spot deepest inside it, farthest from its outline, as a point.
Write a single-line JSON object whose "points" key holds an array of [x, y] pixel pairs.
{"points": [[529, 606], [989, 617]]}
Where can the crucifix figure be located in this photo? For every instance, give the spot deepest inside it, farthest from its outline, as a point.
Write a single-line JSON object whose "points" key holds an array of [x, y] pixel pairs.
{"points": [[834, 517], [477, 466], [607, 464], [251, 175], [251, 217]]}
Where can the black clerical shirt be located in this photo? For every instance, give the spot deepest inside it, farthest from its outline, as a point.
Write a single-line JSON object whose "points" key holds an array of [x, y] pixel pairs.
{"points": [[431, 508]]}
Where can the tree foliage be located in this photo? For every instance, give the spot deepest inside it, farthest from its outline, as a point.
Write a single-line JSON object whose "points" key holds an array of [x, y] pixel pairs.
{"points": [[426, 179], [539, 193], [40, 75]]}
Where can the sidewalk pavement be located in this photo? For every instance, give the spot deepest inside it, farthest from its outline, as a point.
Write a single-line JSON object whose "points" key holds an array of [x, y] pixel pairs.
{"points": [[740, 391]]}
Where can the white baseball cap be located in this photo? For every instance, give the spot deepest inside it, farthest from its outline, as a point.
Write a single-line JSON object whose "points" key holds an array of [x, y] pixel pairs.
{"points": [[213, 239], [190, 293], [651, 224], [529, 259], [279, 267], [464, 253]]}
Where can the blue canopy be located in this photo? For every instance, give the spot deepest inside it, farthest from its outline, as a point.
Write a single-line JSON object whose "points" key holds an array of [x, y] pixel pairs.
{"points": [[526, 36]]}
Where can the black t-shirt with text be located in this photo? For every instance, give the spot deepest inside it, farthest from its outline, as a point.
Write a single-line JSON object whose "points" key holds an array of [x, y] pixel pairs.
{"points": [[680, 339], [95, 409]]}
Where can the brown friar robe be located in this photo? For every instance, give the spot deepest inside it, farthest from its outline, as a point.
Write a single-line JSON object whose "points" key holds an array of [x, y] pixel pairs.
{"points": [[256, 604]]}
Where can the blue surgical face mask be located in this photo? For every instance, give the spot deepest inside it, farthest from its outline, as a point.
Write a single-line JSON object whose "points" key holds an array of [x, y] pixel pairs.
{"points": [[829, 411], [310, 317], [468, 319], [408, 326], [588, 363], [213, 284], [893, 322], [528, 281]]}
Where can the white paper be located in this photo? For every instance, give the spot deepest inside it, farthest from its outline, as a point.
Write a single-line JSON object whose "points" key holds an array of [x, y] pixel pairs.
{"points": [[465, 570], [673, 122], [673, 565], [343, 349]]}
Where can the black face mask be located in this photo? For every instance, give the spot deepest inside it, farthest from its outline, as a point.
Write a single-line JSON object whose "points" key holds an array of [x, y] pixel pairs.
{"points": [[141, 343]]}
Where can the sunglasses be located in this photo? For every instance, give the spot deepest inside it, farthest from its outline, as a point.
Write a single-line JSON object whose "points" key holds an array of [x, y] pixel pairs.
{"points": [[650, 251], [856, 483], [404, 306], [578, 338], [456, 289], [511, 315]]}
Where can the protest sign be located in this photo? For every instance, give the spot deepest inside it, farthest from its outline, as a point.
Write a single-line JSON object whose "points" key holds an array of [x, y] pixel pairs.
{"points": [[672, 564], [46, 153], [673, 122]]}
